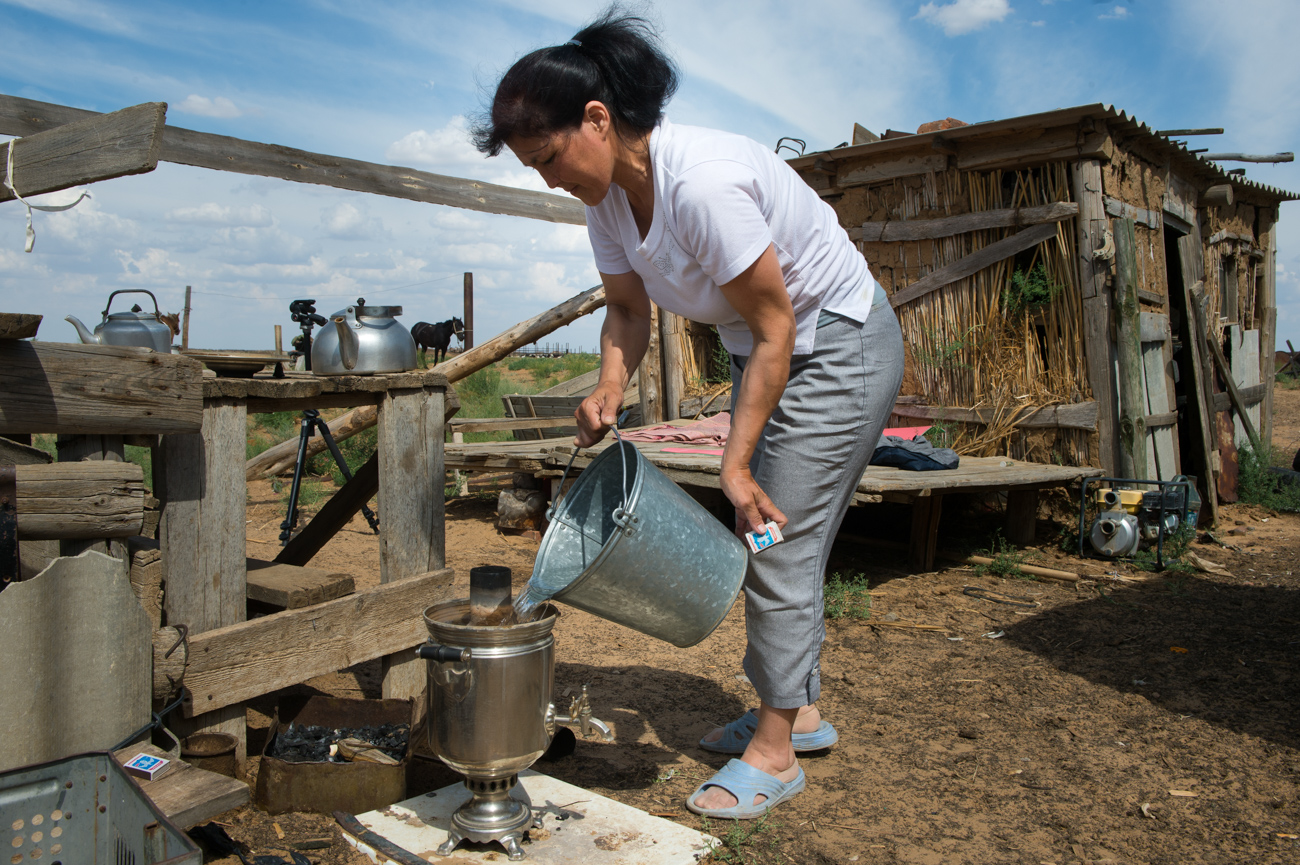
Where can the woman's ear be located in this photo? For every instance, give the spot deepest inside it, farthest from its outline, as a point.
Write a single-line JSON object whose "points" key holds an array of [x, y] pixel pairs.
{"points": [[597, 114]]}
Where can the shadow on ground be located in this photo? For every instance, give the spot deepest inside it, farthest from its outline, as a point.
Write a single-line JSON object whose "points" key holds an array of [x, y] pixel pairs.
{"points": [[1222, 653]]}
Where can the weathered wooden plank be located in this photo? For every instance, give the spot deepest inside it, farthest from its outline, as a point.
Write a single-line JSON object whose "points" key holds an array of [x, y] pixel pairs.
{"points": [[68, 500], [223, 153], [1090, 229], [1234, 394], [1021, 150], [1267, 301], [975, 262], [924, 538], [1191, 266], [411, 483], [72, 388], [1022, 516], [1160, 440], [292, 587], [896, 166], [237, 663], [94, 148], [674, 359], [185, 794], [1180, 199], [1252, 395], [200, 481], [1139, 215], [1245, 373], [1153, 326], [19, 325], [1128, 351], [506, 424], [947, 226], [1076, 416], [651, 374]]}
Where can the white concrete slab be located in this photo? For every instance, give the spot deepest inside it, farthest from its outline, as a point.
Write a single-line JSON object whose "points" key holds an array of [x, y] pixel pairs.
{"points": [[595, 830]]}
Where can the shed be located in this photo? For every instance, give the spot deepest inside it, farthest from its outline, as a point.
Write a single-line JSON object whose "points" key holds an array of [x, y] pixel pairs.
{"points": [[1053, 274]]}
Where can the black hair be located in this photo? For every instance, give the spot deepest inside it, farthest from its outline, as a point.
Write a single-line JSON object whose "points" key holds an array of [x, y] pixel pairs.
{"points": [[616, 60]]}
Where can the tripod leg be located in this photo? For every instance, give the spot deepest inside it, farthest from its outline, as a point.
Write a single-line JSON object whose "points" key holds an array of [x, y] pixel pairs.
{"points": [[291, 517], [344, 470]]}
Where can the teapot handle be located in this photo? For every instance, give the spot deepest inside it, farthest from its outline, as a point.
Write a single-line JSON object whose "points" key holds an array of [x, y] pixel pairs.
{"points": [[130, 291]]}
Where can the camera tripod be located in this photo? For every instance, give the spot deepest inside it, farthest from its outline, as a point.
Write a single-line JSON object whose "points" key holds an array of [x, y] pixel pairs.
{"points": [[311, 422]]}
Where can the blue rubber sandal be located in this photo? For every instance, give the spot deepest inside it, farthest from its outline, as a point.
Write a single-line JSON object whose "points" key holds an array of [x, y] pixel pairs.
{"points": [[745, 782], [736, 735]]}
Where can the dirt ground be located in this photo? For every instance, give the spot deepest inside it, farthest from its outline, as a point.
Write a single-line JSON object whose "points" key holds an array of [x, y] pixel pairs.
{"points": [[1151, 719]]}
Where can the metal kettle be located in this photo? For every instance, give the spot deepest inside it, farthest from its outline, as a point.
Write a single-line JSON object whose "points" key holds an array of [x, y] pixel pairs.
{"points": [[134, 327], [364, 340]]}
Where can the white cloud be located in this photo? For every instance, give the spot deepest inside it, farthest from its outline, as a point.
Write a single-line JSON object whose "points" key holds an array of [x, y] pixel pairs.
{"points": [[448, 151], [1119, 13], [1037, 23], [219, 107], [347, 222], [83, 13], [965, 16], [154, 266], [211, 213]]}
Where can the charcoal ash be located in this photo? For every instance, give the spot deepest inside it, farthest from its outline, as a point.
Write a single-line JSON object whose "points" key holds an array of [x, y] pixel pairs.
{"points": [[306, 743]]}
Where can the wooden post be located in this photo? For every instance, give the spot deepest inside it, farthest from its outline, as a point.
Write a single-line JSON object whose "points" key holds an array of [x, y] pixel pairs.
{"points": [[926, 510], [1268, 325], [411, 506], [185, 321], [72, 448], [670, 333], [1022, 516], [1128, 350], [279, 340], [1090, 226], [469, 311], [651, 374], [201, 534], [1199, 396]]}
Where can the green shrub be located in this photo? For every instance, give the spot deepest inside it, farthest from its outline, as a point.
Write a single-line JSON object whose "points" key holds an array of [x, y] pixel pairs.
{"points": [[1029, 290], [848, 596], [1258, 486], [1006, 559]]}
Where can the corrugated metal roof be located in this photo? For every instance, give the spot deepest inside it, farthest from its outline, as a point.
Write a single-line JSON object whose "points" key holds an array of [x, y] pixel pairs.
{"points": [[1119, 123]]}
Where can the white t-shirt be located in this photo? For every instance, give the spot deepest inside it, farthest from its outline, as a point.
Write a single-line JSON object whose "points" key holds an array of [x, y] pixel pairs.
{"points": [[719, 201]]}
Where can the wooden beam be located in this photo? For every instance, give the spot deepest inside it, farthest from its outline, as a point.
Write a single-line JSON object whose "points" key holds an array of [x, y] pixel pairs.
{"points": [[975, 262], [1191, 265], [229, 665], [1128, 351], [1091, 227], [223, 153], [333, 515], [1061, 144], [1220, 195], [80, 500], [888, 169], [1171, 133], [1249, 157], [1253, 395], [45, 389], [651, 374], [18, 325], [1141, 216], [926, 229], [1267, 301], [1234, 394], [292, 587], [1077, 416], [673, 356], [1180, 199], [95, 148], [507, 424]]}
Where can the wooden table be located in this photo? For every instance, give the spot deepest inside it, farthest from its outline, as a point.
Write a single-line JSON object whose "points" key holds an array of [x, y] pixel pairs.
{"points": [[200, 480], [1020, 480]]}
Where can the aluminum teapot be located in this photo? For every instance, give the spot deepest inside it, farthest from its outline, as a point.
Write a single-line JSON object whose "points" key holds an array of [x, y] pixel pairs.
{"points": [[134, 327], [364, 340]]}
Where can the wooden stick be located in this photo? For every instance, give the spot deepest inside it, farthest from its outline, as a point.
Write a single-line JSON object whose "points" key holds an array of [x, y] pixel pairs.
{"points": [[1045, 573], [977, 261], [1234, 394], [223, 153], [1250, 157], [923, 229], [1128, 351]]}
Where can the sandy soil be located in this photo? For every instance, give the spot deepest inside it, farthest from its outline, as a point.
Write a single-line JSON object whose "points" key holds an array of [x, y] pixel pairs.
{"points": [[1019, 735]]}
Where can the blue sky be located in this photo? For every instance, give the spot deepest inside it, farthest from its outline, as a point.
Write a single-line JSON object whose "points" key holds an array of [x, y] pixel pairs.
{"points": [[393, 81]]}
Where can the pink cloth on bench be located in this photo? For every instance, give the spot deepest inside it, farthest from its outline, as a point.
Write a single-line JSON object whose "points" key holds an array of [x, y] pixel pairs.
{"points": [[705, 431]]}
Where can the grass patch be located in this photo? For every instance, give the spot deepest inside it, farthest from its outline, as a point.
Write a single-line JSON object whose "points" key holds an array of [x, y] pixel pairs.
{"points": [[1007, 560], [848, 596], [742, 841], [480, 394], [1258, 486]]}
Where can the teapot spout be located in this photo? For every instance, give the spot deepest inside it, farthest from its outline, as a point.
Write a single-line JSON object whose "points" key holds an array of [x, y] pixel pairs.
{"points": [[348, 342], [82, 331]]}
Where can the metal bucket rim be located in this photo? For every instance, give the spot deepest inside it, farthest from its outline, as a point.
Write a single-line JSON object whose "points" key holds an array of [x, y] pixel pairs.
{"points": [[630, 500], [464, 634]]}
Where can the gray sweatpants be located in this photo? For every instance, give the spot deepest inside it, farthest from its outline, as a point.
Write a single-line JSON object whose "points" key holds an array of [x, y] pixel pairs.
{"points": [[809, 461]]}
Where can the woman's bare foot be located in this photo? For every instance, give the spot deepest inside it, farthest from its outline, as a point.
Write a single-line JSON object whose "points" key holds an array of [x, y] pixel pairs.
{"points": [[807, 721], [770, 750]]}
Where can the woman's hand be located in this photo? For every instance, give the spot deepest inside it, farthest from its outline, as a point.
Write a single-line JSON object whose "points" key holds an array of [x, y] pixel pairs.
{"points": [[597, 413], [753, 507]]}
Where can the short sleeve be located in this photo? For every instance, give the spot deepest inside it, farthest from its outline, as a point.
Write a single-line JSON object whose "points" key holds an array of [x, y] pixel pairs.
{"points": [[606, 245], [719, 218]]}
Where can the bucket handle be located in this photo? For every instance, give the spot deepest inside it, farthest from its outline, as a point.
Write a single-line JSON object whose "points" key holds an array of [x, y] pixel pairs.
{"points": [[623, 518]]}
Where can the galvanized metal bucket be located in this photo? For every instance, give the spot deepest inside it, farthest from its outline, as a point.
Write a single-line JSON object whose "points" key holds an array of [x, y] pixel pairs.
{"points": [[628, 545]]}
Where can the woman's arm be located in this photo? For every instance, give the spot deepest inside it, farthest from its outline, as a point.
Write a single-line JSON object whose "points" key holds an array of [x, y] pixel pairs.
{"points": [[759, 294], [623, 341]]}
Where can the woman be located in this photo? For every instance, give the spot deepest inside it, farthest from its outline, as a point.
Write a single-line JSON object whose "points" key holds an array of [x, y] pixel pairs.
{"points": [[715, 227]]}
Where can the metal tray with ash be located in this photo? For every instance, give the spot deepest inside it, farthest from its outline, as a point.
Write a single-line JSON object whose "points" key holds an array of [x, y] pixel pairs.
{"points": [[490, 713]]}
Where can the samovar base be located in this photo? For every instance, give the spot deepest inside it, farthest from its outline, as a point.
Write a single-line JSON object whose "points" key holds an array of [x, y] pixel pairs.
{"points": [[491, 814]]}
